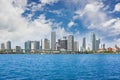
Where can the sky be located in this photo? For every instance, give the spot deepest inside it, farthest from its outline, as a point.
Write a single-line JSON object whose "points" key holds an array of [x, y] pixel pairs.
{"points": [[22, 20]]}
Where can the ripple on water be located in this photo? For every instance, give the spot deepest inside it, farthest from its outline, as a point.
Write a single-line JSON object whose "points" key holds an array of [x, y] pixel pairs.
{"points": [[61, 67]]}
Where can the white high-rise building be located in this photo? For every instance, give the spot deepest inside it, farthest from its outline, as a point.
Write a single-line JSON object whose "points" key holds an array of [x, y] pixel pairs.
{"points": [[70, 43], [32, 46], [45, 44], [76, 46], [53, 40], [35, 46]]}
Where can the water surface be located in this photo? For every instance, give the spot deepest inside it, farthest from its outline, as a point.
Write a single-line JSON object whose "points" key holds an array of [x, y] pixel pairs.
{"points": [[60, 67]]}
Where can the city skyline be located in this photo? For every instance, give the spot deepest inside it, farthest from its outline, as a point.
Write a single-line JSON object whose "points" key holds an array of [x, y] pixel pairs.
{"points": [[22, 20], [66, 41], [66, 44]]}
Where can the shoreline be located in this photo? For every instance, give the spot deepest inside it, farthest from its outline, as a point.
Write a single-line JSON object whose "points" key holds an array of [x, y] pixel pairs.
{"points": [[58, 53]]}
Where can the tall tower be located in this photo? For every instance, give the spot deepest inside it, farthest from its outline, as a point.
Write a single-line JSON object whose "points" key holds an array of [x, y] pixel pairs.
{"points": [[103, 46], [84, 44], [97, 44], [53, 40], [93, 40], [70, 44], [8, 45]]}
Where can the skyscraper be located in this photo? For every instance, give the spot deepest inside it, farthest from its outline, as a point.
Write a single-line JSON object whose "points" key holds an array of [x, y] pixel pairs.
{"points": [[53, 40], [35, 46], [62, 44], [8, 45], [84, 44], [70, 43], [2, 46], [45, 44], [103, 46], [93, 40], [27, 46], [32, 46], [18, 49], [76, 46], [97, 44]]}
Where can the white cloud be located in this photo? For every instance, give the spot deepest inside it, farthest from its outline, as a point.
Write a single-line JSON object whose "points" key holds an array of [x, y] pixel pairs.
{"points": [[48, 1], [36, 7], [13, 26], [17, 28], [93, 7], [95, 18], [33, 6], [109, 23], [91, 14], [71, 23], [20, 3], [57, 12], [117, 7]]}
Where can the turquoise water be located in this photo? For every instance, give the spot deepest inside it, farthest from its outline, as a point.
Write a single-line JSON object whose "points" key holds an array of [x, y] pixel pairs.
{"points": [[60, 67]]}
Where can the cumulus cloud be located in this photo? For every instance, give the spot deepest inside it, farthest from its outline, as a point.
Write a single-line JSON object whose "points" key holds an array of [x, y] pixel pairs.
{"points": [[117, 7], [17, 28], [94, 17], [99, 20], [112, 27], [20, 3]]}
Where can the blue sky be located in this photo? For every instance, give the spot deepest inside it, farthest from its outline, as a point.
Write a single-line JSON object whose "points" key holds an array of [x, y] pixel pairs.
{"points": [[22, 20]]}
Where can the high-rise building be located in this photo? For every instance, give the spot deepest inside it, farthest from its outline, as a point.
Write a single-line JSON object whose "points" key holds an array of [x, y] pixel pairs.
{"points": [[76, 46], [62, 44], [70, 43], [35, 46], [27, 46], [18, 49], [93, 40], [53, 40], [97, 44], [2, 46], [8, 45], [45, 44], [103, 46], [84, 44]]}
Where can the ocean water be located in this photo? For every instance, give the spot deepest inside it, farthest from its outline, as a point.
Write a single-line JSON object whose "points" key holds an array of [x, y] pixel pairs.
{"points": [[60, 67]]}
